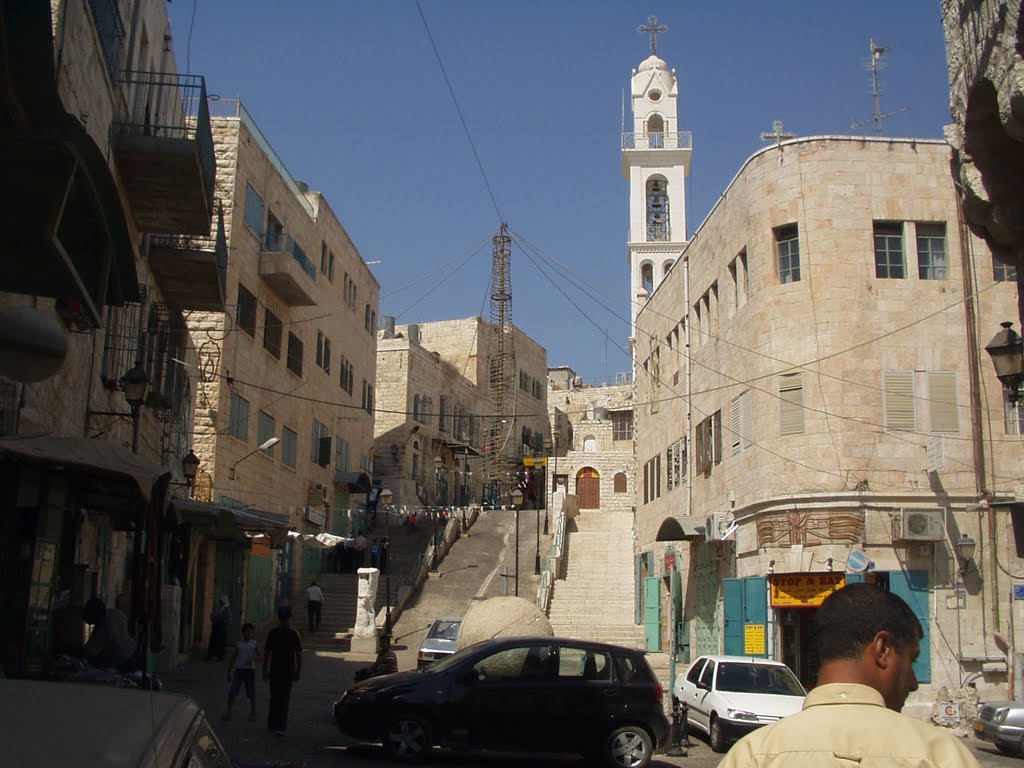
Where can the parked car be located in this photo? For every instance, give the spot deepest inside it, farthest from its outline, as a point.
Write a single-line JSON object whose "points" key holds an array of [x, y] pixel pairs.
{"points": [[730, 696], [1002, 724], [537, 694], [439, 641], [96, 726]]}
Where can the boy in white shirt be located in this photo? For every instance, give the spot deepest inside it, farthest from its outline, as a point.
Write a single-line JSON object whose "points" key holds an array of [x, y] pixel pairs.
{"points": [[242, 670]]}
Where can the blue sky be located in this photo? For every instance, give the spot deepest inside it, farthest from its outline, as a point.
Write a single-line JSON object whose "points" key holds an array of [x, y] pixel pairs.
{"points": [[352, 98]]}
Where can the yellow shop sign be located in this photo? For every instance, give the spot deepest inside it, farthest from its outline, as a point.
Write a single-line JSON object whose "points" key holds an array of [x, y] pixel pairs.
{"points": [[803, 590]]}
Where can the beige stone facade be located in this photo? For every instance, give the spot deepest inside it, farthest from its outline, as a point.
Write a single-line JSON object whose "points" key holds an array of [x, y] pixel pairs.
{"points": [[796, 408], [435, 401]]}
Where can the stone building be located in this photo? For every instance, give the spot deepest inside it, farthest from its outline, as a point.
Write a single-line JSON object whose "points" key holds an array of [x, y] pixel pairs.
{"points": [[814, 407], [108, 163], [592, 441], [986, 74], [285, 402], [436, 437]]}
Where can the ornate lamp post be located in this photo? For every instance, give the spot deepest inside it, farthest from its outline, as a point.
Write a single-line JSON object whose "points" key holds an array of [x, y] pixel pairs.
{"points": [[1007, 352], [517, 500], [385, 499]]}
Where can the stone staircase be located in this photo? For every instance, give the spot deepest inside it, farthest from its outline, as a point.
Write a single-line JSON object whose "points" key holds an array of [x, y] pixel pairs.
{"points": [[596, 598]]}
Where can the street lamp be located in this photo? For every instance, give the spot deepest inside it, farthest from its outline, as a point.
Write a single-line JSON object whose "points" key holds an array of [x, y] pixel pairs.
{"points": [[548, 489], [438, 469], [1007, 352], [266, 444], [385, 499], [965, 548], [517, 500]]}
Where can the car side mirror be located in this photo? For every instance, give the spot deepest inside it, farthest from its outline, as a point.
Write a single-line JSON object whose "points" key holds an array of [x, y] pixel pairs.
{"points": [[468, 677]]}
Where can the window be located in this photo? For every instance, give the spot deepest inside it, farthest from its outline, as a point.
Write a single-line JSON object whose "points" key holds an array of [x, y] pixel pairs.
{"points": [[323, 352], [321, 444], [238, 420], [265, 427], [342, 454], [246, 311], [657, 210], [931, 252], [740, 282], [289, 442], [367, 397], [787, 246], [943, 413], [323, 258], [347, 375], [647, 277], [898, 396], [742, 422], [791, 404], [442, 414], [515, 664], [294, 354], [647, 481], [330, 266], [590, 444], [583, 664], [1003, 273], [619, 482], [708, 443], [1013, 415], [889, 250], [272, 329], [622, 425], [253, 210]]}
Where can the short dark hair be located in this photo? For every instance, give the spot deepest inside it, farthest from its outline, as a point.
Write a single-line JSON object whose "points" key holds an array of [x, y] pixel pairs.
{"points": [[94, 610], [248, 625], [284, 612], [848, 620]]}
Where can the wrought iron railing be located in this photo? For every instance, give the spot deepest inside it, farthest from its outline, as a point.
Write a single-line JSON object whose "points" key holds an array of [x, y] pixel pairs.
{"points": [[110, 31], [168, 105], [681, 140], [278, 242]]}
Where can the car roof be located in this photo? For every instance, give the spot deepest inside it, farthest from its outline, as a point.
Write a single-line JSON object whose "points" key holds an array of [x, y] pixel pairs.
{"points": [[539, 639], [743, 659], [86, 725], [452, 619]]}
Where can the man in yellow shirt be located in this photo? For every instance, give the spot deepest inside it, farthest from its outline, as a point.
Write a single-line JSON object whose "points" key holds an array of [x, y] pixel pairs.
{"points": [[868, 640]]}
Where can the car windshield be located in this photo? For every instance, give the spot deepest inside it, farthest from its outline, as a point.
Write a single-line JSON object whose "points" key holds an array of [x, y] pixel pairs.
{"points": [[737, 677], [444, 629], [447, 662]]}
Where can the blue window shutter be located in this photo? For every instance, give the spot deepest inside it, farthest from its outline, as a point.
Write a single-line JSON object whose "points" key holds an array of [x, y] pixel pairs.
{"points": [[912, 586], [855, 578], [755, 603], [732, 599]]}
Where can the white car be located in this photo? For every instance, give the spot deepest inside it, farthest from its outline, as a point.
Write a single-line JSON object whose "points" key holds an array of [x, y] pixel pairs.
{"points": [[730, 696]]}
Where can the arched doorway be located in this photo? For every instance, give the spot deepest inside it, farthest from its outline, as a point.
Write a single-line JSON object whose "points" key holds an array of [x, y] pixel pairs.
{"points": [[588, 488]]}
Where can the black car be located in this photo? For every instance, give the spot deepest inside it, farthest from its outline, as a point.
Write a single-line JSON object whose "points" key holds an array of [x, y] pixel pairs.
{"points": [[536, 694]]}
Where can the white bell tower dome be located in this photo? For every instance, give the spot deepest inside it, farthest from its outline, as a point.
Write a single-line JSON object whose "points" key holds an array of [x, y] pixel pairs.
{"points": [[656, 162]]}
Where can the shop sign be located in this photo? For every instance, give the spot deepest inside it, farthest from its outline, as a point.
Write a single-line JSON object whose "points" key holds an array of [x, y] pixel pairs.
{"points": [[803, 590], [1018, 591], [530, 461], [316, 515], [670, 562], [753, 639]]}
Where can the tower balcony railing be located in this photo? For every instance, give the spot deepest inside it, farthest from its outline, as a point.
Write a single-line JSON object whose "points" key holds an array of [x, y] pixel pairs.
{"points": [[647, 140]]}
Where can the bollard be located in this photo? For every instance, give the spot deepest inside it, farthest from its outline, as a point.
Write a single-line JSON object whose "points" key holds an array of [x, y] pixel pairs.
{"points": [[680, 729]]}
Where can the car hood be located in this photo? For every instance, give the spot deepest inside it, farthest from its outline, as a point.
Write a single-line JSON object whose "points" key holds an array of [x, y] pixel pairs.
{"points": [[387, 681], [771, 705]]}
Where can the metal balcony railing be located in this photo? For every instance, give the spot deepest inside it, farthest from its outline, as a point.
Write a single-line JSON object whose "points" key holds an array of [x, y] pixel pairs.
{"points": [[681, 140], [110, 31], [173, 106], [279, 242]]}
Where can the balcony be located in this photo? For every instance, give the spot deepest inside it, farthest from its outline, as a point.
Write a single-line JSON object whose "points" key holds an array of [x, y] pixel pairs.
{"points": [[286, 269], [191, 270], [164, 150], [682, 140]]}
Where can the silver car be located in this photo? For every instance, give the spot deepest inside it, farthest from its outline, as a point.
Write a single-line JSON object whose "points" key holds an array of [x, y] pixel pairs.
{"points": [[439, 642], [1002, 724]]}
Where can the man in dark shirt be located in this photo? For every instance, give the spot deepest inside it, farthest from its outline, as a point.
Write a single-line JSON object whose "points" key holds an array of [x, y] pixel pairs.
{"points": [[282, 665]]}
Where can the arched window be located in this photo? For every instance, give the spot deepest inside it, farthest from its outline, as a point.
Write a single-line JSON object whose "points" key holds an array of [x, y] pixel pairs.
{"points": [[647, 277], [655, 132], [589, 444], [619, 482], [657, 209], [666, 267], [416, 407]]}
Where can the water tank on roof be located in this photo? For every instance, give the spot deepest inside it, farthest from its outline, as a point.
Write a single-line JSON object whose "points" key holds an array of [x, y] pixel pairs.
{"points": [[413, 332], [388, 322], [600, 413]]}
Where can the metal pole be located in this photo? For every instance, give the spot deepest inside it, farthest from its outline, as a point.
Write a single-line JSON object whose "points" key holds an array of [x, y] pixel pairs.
{"points": [[517, 550], [536, 560], [387, 575], [433, 546]]}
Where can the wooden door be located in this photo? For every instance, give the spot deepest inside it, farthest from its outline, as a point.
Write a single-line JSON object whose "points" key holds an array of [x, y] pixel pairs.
{"points": [[588, 488]]}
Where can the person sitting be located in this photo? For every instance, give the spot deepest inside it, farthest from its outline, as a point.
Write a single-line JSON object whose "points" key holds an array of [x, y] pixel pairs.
{"points": [[110, 645], [386, 662]]}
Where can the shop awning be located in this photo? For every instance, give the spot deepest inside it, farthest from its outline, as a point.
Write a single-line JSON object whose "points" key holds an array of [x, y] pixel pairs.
{"points": [[317, 541], [101, 456], [225, 521], [679, 529], [357, 482], [459, 447]]}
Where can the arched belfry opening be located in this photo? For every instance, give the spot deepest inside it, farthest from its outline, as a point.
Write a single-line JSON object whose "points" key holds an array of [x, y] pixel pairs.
{"points": [[657, 209]]}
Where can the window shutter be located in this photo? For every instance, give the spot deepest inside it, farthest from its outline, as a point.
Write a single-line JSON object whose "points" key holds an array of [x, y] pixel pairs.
{"points": [[716, 426], [791, 404], [898, 388], [942, 404], [747, 420], [735, 420]]}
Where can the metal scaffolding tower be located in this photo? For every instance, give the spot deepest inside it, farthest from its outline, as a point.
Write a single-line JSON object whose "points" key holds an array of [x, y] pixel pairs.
{"points": [[502, 367]]}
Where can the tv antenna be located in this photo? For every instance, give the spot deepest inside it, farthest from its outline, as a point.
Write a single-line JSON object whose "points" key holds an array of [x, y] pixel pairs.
{"points": [[873, 65]]}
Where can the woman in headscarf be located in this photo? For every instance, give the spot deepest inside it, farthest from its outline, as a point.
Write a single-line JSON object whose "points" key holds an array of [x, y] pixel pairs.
{"points": [[219, 630]]}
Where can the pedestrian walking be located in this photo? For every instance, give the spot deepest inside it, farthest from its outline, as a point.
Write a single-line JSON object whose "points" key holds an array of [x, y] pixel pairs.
{"points": [[242, 671], [867, 639], [282, 666], [375, 554], [220, 619], [314, 602]]}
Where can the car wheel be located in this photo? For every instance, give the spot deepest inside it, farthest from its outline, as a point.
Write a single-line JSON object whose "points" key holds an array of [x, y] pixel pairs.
{"points": [[628, 747], [716, 735], [408, 737], [1007, 749]]}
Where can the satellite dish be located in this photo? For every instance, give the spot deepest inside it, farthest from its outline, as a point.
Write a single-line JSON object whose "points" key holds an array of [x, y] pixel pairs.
{"points": [[32, 344]]}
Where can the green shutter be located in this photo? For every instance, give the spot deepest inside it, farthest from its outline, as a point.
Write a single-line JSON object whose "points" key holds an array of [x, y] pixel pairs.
{"points": [[912, 586]]}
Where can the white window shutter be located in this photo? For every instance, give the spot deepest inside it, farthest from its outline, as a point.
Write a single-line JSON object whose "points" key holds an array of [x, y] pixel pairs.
{"points": [[747, 420], [735, 420], [943, 412], [900, 413], [791, 404]]}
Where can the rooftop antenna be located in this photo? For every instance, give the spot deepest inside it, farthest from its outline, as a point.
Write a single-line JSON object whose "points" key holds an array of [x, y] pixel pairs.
{"points": [[874, 64]]}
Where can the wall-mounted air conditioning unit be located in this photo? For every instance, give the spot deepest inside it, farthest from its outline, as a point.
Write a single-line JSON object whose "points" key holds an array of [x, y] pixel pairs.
{"points": [[716, 526], [922, 524]]}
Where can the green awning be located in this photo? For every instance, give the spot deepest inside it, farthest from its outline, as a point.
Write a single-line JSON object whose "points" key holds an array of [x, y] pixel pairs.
{"points": [[356, 482]]}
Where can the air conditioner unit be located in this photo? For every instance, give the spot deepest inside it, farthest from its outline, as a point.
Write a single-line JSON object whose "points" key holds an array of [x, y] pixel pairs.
{"points": [[715, 526], [922, 524]]}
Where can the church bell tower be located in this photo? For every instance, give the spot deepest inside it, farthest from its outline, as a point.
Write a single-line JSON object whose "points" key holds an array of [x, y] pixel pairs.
{"points": [[656, 162]]}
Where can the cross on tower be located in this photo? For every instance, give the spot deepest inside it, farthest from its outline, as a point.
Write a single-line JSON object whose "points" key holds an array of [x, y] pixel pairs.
{"points": [[652, 29], [777, 135]]}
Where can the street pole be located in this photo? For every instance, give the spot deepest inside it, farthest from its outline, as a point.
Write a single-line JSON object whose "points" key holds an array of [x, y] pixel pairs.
{"points": [[517, 550], [536, 560], [433, 546], [387, 574]]}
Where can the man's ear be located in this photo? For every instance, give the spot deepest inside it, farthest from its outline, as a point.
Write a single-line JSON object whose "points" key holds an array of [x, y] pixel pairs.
{"points": [[880, 649]]}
